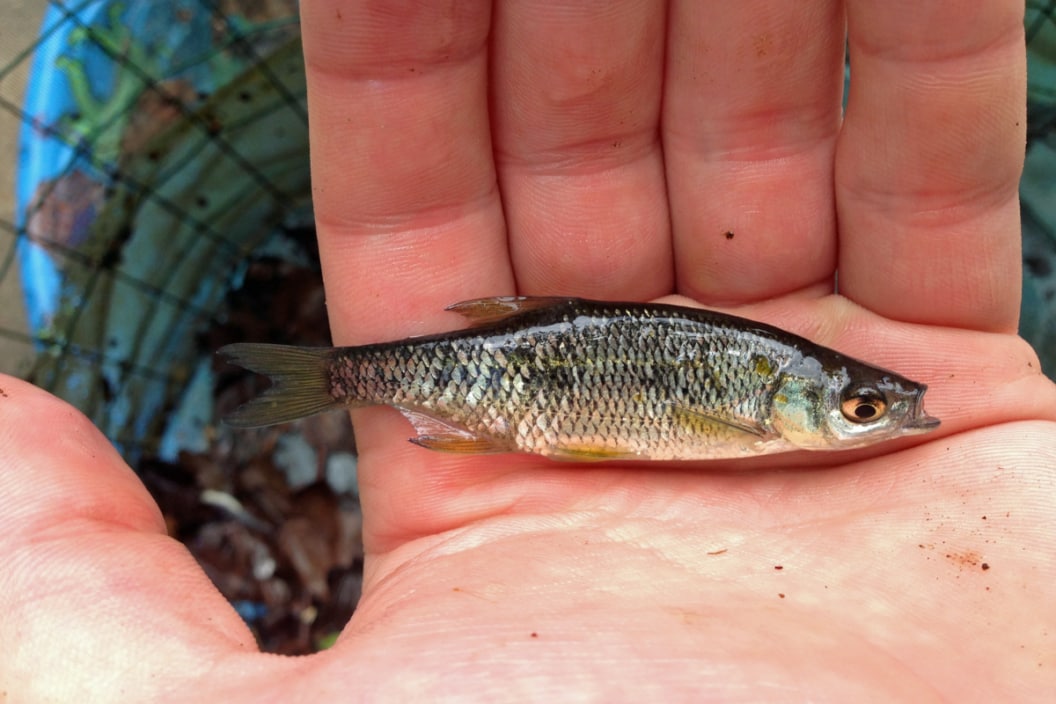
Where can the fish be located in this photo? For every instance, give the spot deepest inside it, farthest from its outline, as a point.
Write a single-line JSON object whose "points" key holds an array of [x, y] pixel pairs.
{"points": [[581, 380]]}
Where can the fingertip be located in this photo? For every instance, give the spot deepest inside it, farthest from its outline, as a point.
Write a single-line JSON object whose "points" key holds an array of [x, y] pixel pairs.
{"points": [[60, 467], [928, 163]]}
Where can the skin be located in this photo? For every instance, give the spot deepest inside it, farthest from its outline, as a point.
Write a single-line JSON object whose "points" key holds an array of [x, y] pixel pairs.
{"points": [[604, 150]]}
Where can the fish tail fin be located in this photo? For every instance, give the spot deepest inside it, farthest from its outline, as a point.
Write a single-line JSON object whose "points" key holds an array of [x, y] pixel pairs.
{"points": [[300, 383]]}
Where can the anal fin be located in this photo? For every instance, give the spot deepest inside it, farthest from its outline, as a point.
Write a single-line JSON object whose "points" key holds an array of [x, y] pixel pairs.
{"points": [[461, 444], [435, 434]]}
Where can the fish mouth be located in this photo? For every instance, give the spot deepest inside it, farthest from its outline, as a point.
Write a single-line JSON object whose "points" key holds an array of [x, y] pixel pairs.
{"points": [[920, 421]]}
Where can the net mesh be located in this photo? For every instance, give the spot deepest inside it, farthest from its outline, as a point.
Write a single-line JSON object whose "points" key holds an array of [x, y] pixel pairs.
{"points": [[159, 145]]}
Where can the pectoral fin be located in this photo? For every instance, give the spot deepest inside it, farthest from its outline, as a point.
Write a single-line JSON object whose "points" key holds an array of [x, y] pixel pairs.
{"points": [[489, 310], [707, 424]]}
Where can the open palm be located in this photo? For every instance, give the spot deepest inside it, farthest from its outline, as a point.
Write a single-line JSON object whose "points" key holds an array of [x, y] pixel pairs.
{"points": [[626, 151]]}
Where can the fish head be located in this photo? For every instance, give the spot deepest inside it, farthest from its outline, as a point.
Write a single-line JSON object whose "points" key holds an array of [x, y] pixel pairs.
{"points": [[840, 403]]}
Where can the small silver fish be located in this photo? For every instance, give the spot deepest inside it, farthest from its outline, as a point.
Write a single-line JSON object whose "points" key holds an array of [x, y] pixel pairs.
{"points": [[588, 380]]}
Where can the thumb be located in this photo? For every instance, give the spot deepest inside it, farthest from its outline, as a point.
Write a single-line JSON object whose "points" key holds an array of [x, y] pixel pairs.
{"points": [[95, 597]]}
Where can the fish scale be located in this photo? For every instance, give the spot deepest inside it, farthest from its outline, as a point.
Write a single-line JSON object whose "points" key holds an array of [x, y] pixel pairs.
{"points": [[586, 380]]}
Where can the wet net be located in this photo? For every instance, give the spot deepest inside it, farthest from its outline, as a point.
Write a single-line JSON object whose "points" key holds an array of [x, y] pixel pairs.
{"points": [[157, 146], [1038, 187]]}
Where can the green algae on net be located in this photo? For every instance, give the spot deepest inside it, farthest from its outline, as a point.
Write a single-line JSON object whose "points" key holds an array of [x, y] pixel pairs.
{"points": [[174, 167]]}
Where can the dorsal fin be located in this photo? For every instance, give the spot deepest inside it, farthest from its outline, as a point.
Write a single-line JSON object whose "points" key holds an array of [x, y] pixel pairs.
{"points": [[494, 308]]}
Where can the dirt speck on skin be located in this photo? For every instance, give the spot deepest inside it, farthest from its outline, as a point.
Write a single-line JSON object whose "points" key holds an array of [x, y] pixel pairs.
{"points": [[967, 558]]}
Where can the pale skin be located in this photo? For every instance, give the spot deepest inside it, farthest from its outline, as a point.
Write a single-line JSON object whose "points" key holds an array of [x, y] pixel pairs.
{"points": [[543, 148]]}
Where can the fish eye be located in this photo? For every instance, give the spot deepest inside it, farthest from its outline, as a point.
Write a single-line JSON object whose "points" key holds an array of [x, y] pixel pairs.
{"points": [[863, 405]]}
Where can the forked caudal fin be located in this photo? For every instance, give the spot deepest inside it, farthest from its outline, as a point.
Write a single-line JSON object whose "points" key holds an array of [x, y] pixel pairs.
{"points": [[300, 383]]}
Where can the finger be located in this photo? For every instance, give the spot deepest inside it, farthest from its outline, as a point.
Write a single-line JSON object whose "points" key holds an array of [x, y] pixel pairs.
{"points": [[576, 105], [92, 587], [929, 161], [751, 113], [407, 208], [406, 204]]}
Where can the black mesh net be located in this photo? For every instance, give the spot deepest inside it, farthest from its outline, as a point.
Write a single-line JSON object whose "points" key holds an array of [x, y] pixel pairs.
{"points": [[159, 145]]}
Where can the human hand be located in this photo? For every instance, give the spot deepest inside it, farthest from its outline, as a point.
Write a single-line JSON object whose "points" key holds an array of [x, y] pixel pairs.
{"points": [[615, 150]]}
